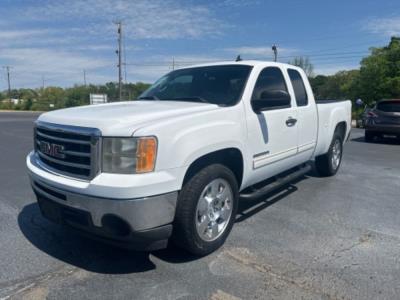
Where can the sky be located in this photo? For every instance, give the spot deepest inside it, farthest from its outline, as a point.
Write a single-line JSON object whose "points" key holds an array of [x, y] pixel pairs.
{"points": [[53, 42]]}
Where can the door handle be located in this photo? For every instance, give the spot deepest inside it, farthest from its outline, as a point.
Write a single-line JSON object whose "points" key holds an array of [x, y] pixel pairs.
{"points": [[291, 122]]}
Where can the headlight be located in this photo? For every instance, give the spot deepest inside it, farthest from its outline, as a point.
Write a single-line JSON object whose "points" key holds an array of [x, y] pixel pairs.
{"points": [[129, 155]]}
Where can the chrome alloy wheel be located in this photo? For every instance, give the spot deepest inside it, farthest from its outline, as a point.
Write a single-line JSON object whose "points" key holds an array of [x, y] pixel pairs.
{"points": [[336, 154], [214, 209]]}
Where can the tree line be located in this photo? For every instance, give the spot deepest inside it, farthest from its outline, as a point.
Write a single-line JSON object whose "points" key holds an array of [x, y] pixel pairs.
{"points": [[377, 78], [49, 98]]}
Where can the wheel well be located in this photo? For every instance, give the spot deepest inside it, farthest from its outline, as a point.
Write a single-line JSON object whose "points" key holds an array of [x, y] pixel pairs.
{"points": [[341, 129], [232, 158]]}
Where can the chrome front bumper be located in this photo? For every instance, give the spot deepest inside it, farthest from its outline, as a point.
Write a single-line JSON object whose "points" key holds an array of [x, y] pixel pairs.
{"points": [[140, 214]]}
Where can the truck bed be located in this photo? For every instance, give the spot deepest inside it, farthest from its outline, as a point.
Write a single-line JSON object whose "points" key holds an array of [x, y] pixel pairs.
{"points": [[327, 101], [331, 113]]}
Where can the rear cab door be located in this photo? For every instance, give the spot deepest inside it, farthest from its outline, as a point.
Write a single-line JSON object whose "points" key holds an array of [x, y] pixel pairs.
{"points": [[307, 115]]}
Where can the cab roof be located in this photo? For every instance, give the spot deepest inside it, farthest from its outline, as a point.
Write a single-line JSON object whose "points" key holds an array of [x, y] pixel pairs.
{"points": [[253, 63]]}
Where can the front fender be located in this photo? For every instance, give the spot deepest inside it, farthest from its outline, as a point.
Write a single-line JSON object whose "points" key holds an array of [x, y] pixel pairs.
{"points": [[183, 140]]}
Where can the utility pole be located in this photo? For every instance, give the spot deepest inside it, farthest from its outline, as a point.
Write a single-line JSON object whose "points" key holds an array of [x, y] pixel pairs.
{"points": [[275, 50], [124, 58], [173, 63], [119, 24], [84, 77], [42, 82], [8, 80]]}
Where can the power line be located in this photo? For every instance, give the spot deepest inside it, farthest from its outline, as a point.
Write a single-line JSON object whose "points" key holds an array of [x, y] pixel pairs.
{"points": [[319, 38], [188, 62], [326, 54], [321, 57], [348, 46]]}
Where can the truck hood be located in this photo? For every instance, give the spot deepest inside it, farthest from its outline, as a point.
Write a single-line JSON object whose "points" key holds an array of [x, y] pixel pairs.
{"points": [[123, 118]]}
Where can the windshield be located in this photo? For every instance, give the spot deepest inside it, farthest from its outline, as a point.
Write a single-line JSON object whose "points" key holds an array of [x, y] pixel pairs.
{"points": [[221, 85], [389, 106]]}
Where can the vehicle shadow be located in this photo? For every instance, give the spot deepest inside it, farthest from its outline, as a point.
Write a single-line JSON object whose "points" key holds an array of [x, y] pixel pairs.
{"points": [[386, 141], [66, 245]]}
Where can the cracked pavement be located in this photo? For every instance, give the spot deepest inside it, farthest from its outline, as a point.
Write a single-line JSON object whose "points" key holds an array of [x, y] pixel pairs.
{"points": [[319, 238]]}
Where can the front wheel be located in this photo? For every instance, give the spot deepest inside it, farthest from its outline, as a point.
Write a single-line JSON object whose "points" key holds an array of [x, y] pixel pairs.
{"points": [[206, 210], [329, 163]]}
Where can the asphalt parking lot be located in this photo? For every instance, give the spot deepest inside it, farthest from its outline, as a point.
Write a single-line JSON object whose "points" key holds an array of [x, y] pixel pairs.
{"points": [[319, 238]]}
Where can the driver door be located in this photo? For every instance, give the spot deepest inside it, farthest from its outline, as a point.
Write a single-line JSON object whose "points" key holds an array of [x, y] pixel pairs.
{"points": [[273, 130]]}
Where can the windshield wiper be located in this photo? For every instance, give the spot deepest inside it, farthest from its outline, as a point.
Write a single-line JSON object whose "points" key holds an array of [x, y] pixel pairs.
{"points": [[199, 99], [148, 98]]}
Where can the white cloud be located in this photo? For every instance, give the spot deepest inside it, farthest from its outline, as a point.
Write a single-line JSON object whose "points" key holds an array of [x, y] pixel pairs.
{"points": [[238, 3], [168, 19], [9, 35], [157, 65], [60, 67], [146, 74], [330, 69], [39, 40], [25, 37], [387, 26], [50, 60]]}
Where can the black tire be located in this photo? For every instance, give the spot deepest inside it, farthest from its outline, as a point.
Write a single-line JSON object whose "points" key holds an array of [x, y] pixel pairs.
{"points": [[185, 234], [324, 163], [369, 136]]}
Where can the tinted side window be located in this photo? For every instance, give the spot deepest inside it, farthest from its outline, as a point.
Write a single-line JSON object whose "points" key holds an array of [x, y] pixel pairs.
{"points": [[270, 82], [389, 106], [270, 79], [298, 87]]}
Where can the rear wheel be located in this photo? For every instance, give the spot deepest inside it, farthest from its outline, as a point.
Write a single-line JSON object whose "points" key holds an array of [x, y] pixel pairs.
{"points": [[329, 163], [206, 210], [369, 136]]}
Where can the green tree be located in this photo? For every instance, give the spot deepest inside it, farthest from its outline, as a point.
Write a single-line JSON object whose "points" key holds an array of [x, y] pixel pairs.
{"points": [[50, 98], [78, 95], [338, 86], [380, 73], [133, 90]]}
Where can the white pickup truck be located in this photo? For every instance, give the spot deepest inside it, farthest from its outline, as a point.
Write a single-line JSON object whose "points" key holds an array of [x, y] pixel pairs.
{"points": [[173, 164]]}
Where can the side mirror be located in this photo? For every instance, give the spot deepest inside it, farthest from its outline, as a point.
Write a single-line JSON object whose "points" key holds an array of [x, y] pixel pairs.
{"points": [[271, 99]]}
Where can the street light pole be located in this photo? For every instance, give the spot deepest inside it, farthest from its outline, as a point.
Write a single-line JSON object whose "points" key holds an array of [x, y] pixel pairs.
{"points": [[275, 50]]}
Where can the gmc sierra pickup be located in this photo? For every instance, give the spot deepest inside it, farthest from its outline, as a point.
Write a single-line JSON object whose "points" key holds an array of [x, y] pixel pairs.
{"points": [[173, 164]]}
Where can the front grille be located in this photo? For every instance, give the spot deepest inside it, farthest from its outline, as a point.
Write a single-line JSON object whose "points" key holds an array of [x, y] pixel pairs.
{"points": [[68, 150]]}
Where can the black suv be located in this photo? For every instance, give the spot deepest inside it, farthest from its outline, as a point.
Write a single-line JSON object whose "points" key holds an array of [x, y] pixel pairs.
{"points": [[383, 119]]}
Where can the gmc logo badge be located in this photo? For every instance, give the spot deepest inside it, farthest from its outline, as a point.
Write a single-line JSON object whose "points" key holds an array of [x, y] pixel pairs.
{"points": [[53, 150]]}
